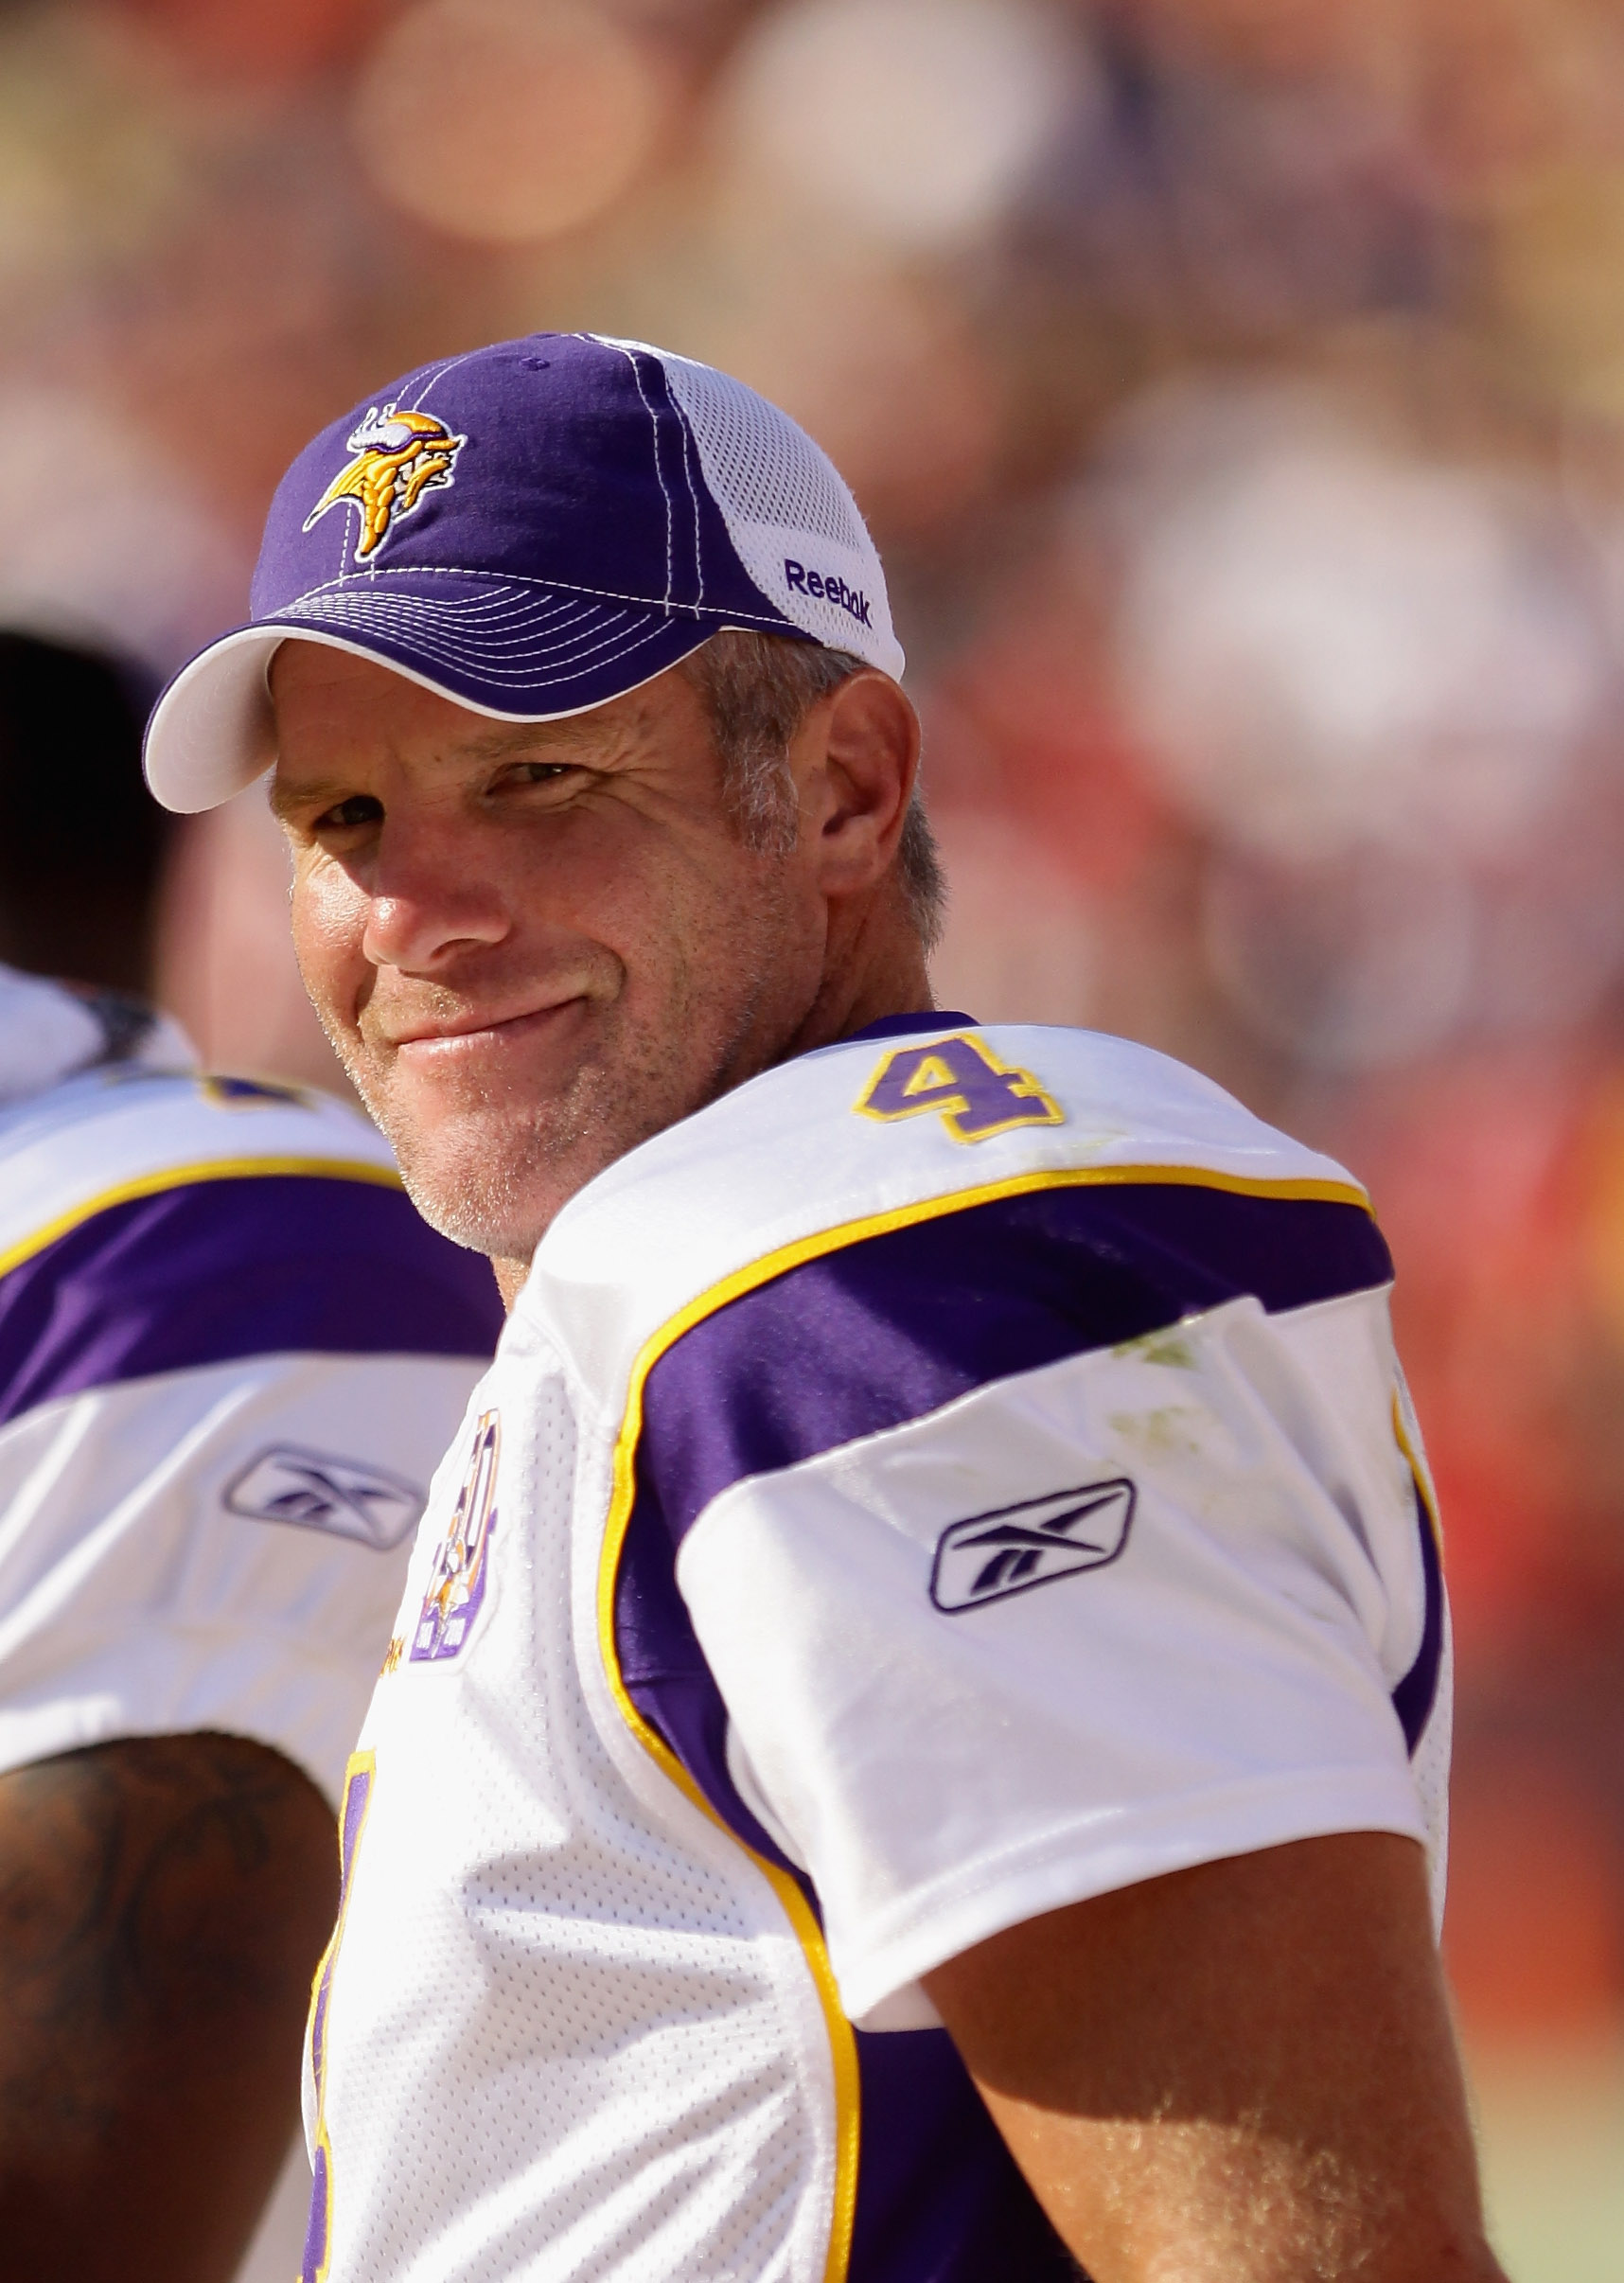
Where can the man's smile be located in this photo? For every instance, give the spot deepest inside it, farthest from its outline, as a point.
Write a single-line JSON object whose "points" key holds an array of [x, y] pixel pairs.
{"points": [[456, 1039]]}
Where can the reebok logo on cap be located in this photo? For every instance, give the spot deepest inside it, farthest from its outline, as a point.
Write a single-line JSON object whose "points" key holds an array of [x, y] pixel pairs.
{"points": [[824, 587]]}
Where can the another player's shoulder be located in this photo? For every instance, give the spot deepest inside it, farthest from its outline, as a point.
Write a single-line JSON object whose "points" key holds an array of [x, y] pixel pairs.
{"points": [[158, 1221], [904, 1126], [124, 1131]]}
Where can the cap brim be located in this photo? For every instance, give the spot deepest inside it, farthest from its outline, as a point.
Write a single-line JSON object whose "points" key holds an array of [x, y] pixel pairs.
{"points": [[502, 647]]}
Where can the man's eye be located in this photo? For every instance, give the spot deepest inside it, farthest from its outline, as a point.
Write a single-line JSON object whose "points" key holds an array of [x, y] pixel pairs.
{"points": [[361, 808], [539, 772]]}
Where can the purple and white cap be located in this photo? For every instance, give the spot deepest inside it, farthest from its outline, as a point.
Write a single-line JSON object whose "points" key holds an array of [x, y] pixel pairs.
{"points": [[532, 529]]}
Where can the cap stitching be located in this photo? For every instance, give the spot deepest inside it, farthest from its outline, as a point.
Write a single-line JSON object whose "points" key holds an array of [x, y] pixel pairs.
{"points": [[519, 578], [438, 374], [575, 667], [540, 641], [688, 479], [488, 656], [659, 471], [487, 621], [496, 658]]}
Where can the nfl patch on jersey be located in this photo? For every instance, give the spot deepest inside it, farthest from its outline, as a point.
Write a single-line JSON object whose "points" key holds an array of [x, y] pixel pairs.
{"points": [[344, 1496], [1013, 1548]]}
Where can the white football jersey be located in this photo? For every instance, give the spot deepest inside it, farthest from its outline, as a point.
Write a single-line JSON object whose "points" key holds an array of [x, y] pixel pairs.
{"points": [[231, 1353], [960, 1472], [230, 1356]]}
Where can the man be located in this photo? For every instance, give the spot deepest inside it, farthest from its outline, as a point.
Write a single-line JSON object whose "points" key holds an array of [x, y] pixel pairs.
{"points": [[230, 1354], [918, 1719]]}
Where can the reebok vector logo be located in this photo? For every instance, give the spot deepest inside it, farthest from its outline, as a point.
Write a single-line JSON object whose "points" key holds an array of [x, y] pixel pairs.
{"points": [[1014, 1548], [824, 587], [346, 1498]]}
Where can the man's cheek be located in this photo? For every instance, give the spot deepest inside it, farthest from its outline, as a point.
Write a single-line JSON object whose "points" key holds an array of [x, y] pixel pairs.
{"points": [[327, 944]]}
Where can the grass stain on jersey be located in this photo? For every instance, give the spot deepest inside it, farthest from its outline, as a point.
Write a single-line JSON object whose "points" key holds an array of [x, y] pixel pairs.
{"points": [[1160, 1433], [1172, 1349]]}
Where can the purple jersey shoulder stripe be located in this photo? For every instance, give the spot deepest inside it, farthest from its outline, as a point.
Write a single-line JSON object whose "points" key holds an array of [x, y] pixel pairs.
{"points": [[210, 1271], [667, 1676], [895, 1326], [1416, 1695]]}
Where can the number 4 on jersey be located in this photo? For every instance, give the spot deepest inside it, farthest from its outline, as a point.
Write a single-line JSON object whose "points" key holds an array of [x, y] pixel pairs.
{"points": [[966, 1086]]}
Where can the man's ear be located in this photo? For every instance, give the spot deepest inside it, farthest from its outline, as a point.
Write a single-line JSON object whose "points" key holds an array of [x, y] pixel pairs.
{"points": [[856, 758]]}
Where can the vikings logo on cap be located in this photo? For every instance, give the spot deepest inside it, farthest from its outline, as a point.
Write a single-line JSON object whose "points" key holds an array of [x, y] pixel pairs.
{"points": [[400, 455]]}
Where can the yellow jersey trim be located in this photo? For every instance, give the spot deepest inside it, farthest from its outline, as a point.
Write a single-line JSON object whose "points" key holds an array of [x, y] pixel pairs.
{"points": [[359, 1764], [842, 2040], [1417, 1469], [183, 1176]]}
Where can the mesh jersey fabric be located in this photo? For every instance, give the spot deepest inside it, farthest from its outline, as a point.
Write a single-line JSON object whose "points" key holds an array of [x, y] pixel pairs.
{"points": [[596, 2005], [556, 2045]]}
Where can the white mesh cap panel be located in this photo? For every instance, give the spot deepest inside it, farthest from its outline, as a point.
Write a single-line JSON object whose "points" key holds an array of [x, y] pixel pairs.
{"points": [[759, 465], [795, 525]]}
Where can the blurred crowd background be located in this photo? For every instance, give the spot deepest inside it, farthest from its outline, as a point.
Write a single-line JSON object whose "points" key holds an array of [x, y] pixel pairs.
{"points": [[1235, 389]]}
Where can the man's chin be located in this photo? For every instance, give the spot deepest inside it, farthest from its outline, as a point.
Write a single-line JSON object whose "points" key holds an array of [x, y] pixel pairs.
{"points": [[476, 1222], [491, 1166], [492, 1176]]}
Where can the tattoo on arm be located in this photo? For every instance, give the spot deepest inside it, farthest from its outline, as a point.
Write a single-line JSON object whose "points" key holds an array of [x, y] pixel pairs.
{"points": [[163, 1903]]}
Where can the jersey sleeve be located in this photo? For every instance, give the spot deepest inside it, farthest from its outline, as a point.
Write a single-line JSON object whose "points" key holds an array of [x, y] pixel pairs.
{"points": [[221, 1405], [201, 1271], [1037, 1550]]}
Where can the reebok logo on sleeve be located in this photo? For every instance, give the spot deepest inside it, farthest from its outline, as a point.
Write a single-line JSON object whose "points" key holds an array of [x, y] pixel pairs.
{"points": [[346, 1497], [988, 1557]]}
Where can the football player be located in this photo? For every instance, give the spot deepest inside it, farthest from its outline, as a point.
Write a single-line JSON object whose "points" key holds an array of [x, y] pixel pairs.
{"points": [[915, 1741], [230, 1354]]}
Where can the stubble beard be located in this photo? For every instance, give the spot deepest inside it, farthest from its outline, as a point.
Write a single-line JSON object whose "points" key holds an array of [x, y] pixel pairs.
{"points": [[489, 1170], [492, 1171]]}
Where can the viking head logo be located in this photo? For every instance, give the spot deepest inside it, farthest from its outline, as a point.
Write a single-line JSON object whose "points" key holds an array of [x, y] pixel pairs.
{"points": [[398, 456]]}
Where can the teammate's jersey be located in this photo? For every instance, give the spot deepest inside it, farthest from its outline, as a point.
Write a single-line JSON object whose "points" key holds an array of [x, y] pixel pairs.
{"points": [[231, 1353], [957, 1474]]}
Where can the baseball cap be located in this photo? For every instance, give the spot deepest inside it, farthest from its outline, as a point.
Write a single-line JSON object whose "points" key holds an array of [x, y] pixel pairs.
{"points": [[532, 529]]}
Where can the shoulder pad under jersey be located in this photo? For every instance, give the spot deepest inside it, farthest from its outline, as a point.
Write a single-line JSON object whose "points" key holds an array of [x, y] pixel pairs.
{"points": [[872, 1135]]}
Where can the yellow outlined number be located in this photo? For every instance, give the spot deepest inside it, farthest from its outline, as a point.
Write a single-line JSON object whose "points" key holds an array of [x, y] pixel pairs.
{"points": [[357, 1782], [964, 1082]]}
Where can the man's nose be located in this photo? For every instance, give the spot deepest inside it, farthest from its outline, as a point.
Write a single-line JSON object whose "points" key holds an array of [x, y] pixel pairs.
{"points": [[428, 900]]}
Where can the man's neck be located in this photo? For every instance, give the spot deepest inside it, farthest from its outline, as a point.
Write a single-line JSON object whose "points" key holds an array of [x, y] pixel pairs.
{"points": [[882, 974]]}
